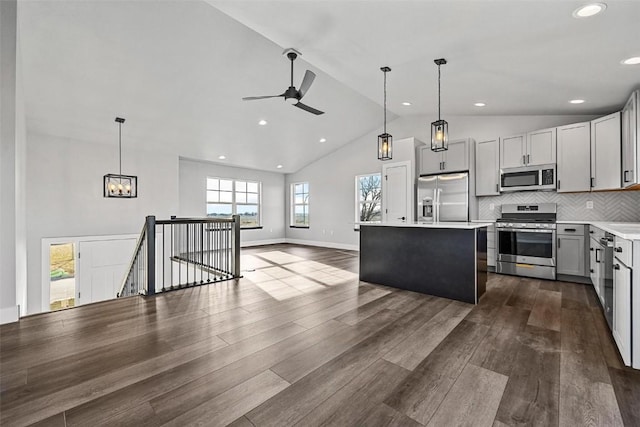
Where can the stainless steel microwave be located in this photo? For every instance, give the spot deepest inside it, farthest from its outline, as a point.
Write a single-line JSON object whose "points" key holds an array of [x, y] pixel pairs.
{"points": [[523, 178]]}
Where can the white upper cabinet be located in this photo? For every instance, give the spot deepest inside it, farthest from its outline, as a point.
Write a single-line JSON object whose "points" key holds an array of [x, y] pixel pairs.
{"points": [[455, 159], [606, 168], [631, 141], [512, 150], [430, 161], [541, 147], [574, 157], [487, 167]]}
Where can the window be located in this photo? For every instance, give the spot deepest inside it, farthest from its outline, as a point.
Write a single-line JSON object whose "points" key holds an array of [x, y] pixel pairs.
{"points": [[300, 204], [369, 198], [226, 197]]}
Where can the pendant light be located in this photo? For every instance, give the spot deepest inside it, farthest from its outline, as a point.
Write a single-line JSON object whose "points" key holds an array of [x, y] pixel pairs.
{"points": [[385, 141], [439, 128], [117, 185]]}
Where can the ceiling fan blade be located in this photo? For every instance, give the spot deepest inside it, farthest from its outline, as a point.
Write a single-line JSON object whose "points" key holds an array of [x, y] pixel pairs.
{"points": [[309, 109], [309, 76], [253, 98]]}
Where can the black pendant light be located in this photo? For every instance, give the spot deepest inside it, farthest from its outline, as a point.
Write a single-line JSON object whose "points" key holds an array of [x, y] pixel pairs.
{"points": [[117, 185], [385, 141], [439, 128]]}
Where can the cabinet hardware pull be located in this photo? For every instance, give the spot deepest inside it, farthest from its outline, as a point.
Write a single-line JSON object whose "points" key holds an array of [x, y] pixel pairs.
{"points": [[573, 230], [590, 231], [625, 176], [593, 182], [597, 251], [591, 249], [523, 157], [616, 266], [558, 184], [528, 158], [618, 249], [591, 270]]}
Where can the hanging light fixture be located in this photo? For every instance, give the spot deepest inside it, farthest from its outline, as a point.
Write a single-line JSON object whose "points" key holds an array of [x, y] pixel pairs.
{"points": [[439, 128], [385, 141], [118, 185]]}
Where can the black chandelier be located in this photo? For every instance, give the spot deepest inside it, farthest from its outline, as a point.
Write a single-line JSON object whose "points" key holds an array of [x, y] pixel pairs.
{"points": [[385, 140], [118, 185], [439, 128]]}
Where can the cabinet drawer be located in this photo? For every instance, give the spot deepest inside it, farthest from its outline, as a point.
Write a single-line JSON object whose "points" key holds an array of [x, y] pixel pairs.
{"points": [[623, 250], [571, 229]]}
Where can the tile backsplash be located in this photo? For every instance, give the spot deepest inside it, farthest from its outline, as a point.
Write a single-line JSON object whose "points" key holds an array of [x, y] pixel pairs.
{"points": [[607, 206]]}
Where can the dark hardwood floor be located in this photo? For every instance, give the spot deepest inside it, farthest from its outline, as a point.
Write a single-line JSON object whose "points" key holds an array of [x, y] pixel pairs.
{"points": [[299, 341]]}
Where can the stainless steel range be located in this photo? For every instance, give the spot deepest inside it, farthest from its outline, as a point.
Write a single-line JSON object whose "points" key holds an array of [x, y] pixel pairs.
{"points": [[526, 240]]}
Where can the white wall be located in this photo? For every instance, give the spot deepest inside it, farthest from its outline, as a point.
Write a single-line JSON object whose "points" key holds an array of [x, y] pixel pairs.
{"points": [[193, 184], [64, 194], [9, 162], [331, 178]]}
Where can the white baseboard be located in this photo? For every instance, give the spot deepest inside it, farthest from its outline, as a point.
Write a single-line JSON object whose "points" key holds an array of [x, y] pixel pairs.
{"points": [[9, 314], [321, 244], [262, 242]]}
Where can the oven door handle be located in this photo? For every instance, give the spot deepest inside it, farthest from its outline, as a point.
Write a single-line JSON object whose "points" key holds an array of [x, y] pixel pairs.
{"points": [[527, 230]]}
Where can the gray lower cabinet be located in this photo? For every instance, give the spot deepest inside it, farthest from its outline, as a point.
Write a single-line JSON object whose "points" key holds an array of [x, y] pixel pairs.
{"points": [[571, 250]]}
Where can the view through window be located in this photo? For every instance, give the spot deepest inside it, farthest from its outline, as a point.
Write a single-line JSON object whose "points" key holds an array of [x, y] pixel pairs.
{"points": [[226, 197], [369, 198], [300, 204]]}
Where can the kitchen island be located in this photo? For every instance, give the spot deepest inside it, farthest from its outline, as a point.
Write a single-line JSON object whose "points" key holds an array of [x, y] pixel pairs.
{"points": [[445, 259]]}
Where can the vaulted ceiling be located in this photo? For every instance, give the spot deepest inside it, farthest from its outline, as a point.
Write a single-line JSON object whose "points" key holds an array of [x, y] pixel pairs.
{"points": [[177, 70]]}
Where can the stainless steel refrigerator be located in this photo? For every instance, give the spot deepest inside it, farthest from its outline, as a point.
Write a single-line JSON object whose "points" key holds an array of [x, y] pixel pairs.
{"points": [[443, 198]]}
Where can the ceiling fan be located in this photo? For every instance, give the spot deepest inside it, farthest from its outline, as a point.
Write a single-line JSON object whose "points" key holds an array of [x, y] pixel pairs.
{"points": [[293, 95]]}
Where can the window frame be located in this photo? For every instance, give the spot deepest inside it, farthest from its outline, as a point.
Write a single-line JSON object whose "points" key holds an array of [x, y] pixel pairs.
{"points": [[234, 203], [293, 204], [358, 202]]}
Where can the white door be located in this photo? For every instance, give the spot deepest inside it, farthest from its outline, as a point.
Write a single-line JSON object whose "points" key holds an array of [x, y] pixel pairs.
{"points": [[541, 147], [397, 186], [101, 268]]}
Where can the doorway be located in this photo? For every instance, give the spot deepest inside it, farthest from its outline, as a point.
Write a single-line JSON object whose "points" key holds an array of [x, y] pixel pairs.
{"points": [[62, 276]]}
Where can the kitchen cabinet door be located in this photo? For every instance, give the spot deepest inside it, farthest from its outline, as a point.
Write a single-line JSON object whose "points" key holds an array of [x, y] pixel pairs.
{"points": [[512, 151], [605, 153], [430, 161], [570, 255], [541, 147], [594, 268], [456, 158], [630, 150], [488, 167], [622, 309], [574, 157]]}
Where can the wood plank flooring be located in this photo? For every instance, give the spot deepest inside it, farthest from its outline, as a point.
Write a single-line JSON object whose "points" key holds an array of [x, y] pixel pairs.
{"points": [[300, 341]]}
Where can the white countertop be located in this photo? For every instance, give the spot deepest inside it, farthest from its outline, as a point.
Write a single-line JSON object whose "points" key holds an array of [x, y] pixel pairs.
{"points": [[456, 225], [625, 230]]}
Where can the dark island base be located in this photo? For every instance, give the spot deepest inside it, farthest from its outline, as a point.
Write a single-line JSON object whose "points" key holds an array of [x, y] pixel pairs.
{"points": [[445, 262]]}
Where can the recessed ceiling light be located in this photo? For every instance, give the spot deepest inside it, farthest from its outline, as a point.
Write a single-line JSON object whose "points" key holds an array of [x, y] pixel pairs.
{"points": [[589, 10], [222, 157], [279, 166], [406, 103], [480, 104], [577, 101], [631, 61], [323, 139], [262, 122]]}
